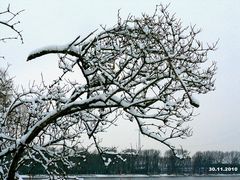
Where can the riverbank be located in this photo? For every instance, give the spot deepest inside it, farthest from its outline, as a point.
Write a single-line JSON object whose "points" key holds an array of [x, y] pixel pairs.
{"points": [[131, 176]]}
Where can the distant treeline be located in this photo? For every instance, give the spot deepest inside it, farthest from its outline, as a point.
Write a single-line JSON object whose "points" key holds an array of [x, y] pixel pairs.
{"points": [[149, 162]]}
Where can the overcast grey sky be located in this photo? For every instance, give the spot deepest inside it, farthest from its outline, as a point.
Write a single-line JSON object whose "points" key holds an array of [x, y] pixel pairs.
{"points": [[60, 21]]}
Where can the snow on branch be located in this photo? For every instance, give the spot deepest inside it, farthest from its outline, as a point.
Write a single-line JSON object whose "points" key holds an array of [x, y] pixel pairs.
{"points": [[65, 49], [145, 69]]}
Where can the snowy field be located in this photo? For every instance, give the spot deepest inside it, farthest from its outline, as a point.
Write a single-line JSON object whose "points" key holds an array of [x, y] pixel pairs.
{"points": [[140, 177]]}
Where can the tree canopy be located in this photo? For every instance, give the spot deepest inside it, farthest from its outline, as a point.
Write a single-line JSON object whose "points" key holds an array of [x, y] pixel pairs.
{"points": [[145, 69]]}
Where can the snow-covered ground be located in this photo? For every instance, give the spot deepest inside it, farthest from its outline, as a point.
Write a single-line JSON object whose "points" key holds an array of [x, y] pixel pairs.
{"points": [[141, 177]]}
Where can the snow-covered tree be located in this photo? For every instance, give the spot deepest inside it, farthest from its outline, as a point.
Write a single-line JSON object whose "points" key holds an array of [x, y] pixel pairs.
{"points": [[145, 69], [10, 129], [6, 87]]}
